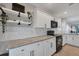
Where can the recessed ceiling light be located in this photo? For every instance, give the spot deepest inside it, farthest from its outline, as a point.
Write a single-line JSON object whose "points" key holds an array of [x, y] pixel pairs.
{"points": [[65, 12]]}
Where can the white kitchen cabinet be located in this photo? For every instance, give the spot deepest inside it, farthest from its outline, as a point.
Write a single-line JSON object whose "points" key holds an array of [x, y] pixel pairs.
{"points": [[42, 48], [42, 19], [31, 50], [59, 22], [67, 39], [35, 49], [59, 25], [49, 47], [19, 51], [39, 19], [52, 47], [46, 48], [64, 39], [76, 40], [48, 21], [70, 39], [39, 49], [27, 50]]}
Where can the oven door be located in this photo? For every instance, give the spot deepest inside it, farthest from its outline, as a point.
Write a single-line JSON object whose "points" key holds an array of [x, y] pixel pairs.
{"points": [[58, 43]]}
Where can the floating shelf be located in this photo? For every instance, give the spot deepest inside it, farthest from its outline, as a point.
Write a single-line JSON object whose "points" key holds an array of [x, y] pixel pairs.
{"points": [[13, 15]]}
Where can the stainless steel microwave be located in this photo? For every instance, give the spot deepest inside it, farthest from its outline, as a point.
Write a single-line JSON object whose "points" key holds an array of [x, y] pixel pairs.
{"points": [[54, 24]]}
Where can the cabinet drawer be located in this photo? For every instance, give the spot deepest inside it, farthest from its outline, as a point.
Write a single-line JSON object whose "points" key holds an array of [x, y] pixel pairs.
{"points": [[19, 51]]}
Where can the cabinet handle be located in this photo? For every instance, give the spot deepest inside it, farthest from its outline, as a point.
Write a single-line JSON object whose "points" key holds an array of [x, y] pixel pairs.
{"points": [[22, 50], [32, 53], [51, 44]]}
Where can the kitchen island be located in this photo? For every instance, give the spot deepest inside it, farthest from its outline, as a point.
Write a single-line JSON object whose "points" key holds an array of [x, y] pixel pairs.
{"points": [[13, 45]]}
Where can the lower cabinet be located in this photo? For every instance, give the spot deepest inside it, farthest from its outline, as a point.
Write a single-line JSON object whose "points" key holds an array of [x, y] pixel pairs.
{"points": [[72, 39], [64, 39], [19, 51], [76, 40], [49, 47], [39, 49], [27, 50], [43, 48]]}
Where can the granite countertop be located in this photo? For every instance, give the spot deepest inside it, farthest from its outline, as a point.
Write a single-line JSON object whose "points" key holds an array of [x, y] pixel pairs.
{"points": [[71, 34], [6, 45], [21, 42]]}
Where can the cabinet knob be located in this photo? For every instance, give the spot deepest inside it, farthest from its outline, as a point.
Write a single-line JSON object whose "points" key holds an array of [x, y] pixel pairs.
{"points": [[22, 50]]}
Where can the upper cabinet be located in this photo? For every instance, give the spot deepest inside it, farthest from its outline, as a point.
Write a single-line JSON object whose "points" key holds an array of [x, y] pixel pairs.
{"points": [[58, 20], [48, 21], [42, 19]]}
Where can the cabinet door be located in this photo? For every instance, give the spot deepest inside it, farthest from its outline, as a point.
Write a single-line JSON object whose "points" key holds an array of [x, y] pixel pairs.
{"points": [[35, 49], [46, 47], [40, 18], [76, 40], [49, 47], [39, 49], [64, 39], [19, 51], [31, 50], [70, 39], [27, 50], [52, 47], [48, 21]]}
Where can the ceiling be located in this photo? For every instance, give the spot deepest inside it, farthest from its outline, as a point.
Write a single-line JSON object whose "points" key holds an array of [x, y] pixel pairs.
{"points": [[58, 9], [70, 11]]}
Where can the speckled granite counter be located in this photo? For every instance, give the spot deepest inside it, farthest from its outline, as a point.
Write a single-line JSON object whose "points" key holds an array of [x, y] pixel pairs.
{"points": [[71, 34], [5, 45]]}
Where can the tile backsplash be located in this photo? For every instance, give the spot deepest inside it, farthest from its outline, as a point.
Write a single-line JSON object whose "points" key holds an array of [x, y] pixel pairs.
{"points": [[20, 32]]}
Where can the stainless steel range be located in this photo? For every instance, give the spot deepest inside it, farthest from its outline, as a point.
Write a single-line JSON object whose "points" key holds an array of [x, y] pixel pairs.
{"points": [[58, 40]]}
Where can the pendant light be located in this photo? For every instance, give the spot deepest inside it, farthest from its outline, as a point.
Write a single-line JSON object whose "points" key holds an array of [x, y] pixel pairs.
{"points": [[19, 17]]}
